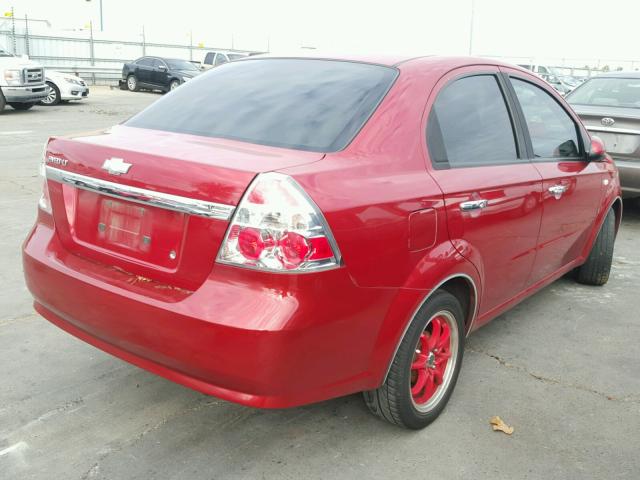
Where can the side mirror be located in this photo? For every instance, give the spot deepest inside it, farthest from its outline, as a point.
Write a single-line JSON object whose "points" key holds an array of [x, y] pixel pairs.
{"points": [[162, 68], [596, 150]]}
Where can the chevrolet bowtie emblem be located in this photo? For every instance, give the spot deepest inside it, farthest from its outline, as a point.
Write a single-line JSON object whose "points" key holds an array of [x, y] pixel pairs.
{"points": [[116, 166]]}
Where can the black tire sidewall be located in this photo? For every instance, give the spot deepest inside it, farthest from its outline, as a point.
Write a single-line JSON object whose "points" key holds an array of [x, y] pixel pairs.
{"points": [[597, 268], [135, 89], [55, 89], [440, 301], [22, 107], [3, 101]]}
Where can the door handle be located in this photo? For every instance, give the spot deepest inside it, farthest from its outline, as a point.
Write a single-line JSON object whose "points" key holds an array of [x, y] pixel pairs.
{"points": [[473, 205], [558, 190]]}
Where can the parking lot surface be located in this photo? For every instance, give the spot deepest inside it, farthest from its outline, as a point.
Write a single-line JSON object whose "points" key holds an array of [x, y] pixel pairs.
{"points": [[563, 368]]}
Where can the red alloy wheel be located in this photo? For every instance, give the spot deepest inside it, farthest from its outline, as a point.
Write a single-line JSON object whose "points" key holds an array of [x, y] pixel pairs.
{"points": [[429, 373]]}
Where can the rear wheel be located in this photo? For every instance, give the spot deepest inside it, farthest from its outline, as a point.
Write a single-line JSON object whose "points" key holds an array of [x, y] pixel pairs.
{"points": [[3, 102], [22, 106], [597, 268], [425, 368], [53, 98], [132, 83], [174, 84]]}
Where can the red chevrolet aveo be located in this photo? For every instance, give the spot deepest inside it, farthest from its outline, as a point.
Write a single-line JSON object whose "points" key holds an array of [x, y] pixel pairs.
{"points": [[280, 231]]}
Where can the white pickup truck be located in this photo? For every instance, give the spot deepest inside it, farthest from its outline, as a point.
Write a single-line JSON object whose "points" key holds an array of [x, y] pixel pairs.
{"points": [[213, 59], [22, 82]]}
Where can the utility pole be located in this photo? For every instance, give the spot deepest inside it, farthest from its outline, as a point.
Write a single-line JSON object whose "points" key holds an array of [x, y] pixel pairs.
{"points": [[101, 21], [13, 31], [473, 13], [144, 43], [26, 35], [91, 46]]}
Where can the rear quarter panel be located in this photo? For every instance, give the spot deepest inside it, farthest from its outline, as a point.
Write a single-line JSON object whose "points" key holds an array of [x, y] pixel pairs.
{"points": [[372, 193], [368, 191]]}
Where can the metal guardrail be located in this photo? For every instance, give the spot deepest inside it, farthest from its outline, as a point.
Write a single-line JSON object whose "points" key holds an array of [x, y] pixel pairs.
{"points": [[90, 57], [92, 75]]}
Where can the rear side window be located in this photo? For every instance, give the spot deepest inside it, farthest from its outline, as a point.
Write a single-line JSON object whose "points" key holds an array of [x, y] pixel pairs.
{"points": [[145, 62], [208, 58], [553, 132], [220, 59], [305, 104], [469, 125], [609, 92]]}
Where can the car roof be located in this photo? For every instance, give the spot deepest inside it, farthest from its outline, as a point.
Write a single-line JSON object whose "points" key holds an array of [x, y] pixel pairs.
{"points": [[633, 74], [390, 60], [163, 58]]}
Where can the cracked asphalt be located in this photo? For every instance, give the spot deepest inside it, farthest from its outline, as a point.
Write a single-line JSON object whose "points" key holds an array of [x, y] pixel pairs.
{"points": [[563, 368]]}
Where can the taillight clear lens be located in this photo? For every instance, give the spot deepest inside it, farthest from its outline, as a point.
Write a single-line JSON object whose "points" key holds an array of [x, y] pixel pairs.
{"points": [[277, 227], [44, 203]]}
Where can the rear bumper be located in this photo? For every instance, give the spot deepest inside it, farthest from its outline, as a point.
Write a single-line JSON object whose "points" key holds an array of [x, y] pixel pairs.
{"points": [[629, 176], [261, 340]]}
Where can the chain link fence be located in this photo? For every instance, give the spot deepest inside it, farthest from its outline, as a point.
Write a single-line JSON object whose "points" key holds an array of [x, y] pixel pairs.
{"points": [[97, 60], [100, 60]]}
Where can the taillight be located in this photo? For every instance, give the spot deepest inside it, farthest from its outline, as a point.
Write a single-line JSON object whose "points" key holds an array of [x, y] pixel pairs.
{"points": [[277, 227], [44, 203]]}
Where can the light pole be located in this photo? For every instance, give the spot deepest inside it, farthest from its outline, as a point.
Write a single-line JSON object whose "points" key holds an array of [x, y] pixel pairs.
{"points": [[473, 12], [101, 23]]}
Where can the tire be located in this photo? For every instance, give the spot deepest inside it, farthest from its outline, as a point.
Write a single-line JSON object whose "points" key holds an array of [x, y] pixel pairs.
{"points": [[22, 106], [595, 271], [174, 84], [54, 96], [3, 102], [132, 83], [396, 401]]}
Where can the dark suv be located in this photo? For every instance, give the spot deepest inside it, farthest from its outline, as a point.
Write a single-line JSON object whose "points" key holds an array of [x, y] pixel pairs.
{"points": [[155, 73]]}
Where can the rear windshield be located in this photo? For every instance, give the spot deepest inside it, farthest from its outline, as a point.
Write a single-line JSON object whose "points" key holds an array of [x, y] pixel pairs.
{"points": [[304, 104], [609, 92], [181, 65]]}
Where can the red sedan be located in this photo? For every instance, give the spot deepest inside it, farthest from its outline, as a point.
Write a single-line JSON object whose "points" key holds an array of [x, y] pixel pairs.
{"points": [[280, 231]]}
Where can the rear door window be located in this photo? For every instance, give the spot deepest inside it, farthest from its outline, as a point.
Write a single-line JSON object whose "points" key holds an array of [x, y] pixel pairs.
{"points": [[553, 132], [208, 58], [221, 58], [145, 62], [306, 104], [469, 125]]}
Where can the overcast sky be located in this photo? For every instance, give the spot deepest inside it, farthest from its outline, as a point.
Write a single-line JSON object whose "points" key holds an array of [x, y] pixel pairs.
{"points": [[516, 28]]}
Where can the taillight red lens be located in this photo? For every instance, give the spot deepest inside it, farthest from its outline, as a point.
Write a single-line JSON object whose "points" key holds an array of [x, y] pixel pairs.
{"points": [[320, 248], [250, 243], [294, 249]]}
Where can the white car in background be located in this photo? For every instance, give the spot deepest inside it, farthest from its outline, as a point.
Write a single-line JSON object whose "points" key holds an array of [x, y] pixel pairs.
{"points": [[64, 87], [214, 58]]}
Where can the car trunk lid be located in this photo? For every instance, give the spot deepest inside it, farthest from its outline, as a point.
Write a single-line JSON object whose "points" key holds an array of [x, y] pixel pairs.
{"points": [[618, 127], [160, 208]]}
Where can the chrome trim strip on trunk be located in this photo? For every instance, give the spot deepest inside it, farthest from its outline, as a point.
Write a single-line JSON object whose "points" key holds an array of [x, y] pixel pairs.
{"points": [[176, 203], [596, 128]]}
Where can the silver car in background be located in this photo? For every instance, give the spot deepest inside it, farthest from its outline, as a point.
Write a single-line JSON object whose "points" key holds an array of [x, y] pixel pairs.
{"points": [[609, 106]]}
